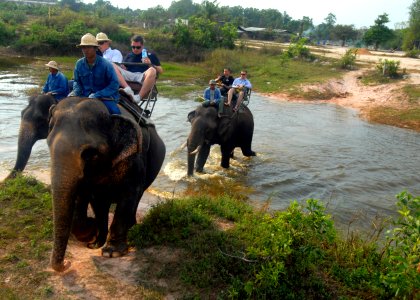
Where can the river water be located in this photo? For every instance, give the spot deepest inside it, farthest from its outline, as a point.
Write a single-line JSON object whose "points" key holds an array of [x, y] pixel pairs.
{"points": [[303, 150]]}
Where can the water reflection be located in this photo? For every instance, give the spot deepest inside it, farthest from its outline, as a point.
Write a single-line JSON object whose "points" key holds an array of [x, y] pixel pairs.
{"points": [[303, 151]]}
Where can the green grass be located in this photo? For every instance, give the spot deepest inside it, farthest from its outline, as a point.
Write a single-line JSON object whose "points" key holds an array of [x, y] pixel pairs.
{"points": [[413, 93], [25, 239], [221, 246], [403, 117]]}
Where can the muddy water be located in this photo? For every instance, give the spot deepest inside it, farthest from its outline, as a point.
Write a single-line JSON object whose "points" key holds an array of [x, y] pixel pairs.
{"points": [[304, 151]]}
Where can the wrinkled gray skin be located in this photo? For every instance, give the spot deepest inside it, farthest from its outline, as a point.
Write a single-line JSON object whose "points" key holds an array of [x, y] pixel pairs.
{"points": [[33, 127], [98, 159], [234, 130]]}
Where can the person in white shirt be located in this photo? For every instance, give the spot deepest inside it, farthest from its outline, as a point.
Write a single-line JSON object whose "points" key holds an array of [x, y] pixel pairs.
{"points": [[239, 86], [113, 55]]}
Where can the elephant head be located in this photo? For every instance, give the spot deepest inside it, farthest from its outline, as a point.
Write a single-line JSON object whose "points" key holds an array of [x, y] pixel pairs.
{"points": [[33, 127], [232, 130], [94, 157]]}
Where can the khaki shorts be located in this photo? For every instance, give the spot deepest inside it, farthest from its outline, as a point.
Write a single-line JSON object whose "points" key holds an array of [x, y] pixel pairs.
{"points": [[131, 76]]}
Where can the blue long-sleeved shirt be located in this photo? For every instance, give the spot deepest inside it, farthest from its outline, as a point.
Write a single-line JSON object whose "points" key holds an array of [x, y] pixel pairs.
{"points": [[99, 79], [57, 84], [217, 95], [239, 81]]}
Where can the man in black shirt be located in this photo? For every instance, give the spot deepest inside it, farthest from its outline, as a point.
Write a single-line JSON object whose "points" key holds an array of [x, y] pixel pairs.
{"points": [[145, 74], [225, 81]]}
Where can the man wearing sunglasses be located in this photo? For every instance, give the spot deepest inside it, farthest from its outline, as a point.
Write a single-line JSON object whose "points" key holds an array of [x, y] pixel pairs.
{"points": [[144, 70], [104, 44], [240, 86]]}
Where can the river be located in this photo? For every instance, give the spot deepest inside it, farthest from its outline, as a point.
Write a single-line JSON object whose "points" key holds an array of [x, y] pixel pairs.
{"points": [[303, 150]]}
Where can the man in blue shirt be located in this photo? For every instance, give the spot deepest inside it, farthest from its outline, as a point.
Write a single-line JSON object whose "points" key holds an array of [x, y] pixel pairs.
{"points": [[145, 74], [240, 86], [95, 77], [212, 96], [57, 83]]}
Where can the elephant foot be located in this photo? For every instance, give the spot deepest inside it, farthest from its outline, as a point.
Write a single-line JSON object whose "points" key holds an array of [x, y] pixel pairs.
{"points": [[86, 232], [115, 250], [250, 153], [61, 267]]}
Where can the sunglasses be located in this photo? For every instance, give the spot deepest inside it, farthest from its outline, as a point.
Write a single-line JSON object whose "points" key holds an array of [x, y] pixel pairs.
{"points": [[101, 43], [243, 74], [136, 47]]}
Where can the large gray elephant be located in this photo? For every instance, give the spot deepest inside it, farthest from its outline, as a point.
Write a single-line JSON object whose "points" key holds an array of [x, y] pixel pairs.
{"points": [[98, 159], [33, 127], [230, 131]]}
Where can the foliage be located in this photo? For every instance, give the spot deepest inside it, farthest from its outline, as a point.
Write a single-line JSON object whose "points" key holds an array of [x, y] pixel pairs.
{"points": [[413, 53], [388, 67], [378, 33], [298, 50], [411, 39], [344, 33], [348, 60], [402, 261]]}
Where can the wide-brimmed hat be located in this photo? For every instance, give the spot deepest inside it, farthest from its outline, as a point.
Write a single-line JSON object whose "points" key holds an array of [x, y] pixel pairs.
{"points": [[212, 81], [52, 64], [102, 37], [88, 40]]}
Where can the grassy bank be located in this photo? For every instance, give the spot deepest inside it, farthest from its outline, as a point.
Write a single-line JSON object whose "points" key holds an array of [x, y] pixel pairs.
{"points": [[222, 247]]}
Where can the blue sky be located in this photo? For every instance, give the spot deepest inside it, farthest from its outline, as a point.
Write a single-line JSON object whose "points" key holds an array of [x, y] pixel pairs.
{"points": [[357, 12]]}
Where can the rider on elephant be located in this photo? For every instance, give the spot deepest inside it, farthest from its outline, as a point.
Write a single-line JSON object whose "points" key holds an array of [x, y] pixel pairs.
{"points": [[57, 83], [213, 97], [225, 81], [95, 77], [240, 86]]}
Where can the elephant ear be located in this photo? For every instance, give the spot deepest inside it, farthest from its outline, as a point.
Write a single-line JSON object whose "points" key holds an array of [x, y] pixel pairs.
{"points": [[125, 138], [50, 114]]}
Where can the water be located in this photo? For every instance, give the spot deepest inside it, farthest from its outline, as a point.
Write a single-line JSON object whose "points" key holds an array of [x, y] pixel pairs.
{"points": [[303, 151]]}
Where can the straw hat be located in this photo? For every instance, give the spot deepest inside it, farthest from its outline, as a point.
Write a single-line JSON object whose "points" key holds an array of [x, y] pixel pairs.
{"points": [[52, 64], [102, 37], [88, 40]]}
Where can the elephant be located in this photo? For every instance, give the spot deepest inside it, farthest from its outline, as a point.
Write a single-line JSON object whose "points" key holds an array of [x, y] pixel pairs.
{"points": [[98, 159], [233, 129], [33, 127]]}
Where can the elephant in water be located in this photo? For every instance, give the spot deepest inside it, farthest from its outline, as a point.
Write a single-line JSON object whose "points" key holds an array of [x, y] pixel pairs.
{"points": [[33, 127], [98, 159], [230, 131]]}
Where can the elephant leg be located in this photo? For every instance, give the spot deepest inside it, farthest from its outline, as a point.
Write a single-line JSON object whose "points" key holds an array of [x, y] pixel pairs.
{"points": [[227, 153], [202, 157], [124, 219], [248, 152], [100, 206], [83, 228]]}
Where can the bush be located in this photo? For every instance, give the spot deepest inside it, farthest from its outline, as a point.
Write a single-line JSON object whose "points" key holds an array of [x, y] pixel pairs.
{"points": [[388, 68], [413, 53], [348, 60], [402, 260], [299, 50]]}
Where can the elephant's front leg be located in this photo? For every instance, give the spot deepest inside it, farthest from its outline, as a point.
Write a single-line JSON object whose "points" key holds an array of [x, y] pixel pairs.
{"points": [[100, 205], [202, 157], [124, 219]]}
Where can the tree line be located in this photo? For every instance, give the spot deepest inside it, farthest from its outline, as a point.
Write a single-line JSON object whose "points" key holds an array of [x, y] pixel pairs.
{"points": [[56, 28]]}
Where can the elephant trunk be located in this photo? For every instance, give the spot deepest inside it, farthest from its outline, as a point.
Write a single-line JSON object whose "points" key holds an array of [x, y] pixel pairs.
{"points": [[66, 173], [27, 138]]}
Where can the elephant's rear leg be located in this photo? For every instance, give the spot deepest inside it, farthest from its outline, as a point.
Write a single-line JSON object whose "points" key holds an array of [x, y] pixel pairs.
{"points": [[83, 228]]}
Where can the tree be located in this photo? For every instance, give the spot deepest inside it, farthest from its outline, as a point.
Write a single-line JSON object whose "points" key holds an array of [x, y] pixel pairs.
{"points": [[344, 33], [378, 33], [412, 35]]}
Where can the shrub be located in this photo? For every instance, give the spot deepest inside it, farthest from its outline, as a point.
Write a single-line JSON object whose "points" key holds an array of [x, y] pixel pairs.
{"points": [[402, 260], [388, 68], [348, 60], [299, 50], [413, 53]]}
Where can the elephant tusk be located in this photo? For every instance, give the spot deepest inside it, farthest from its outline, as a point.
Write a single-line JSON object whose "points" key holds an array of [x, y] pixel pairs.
{"points": [[183, 146], [196, 150]]}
